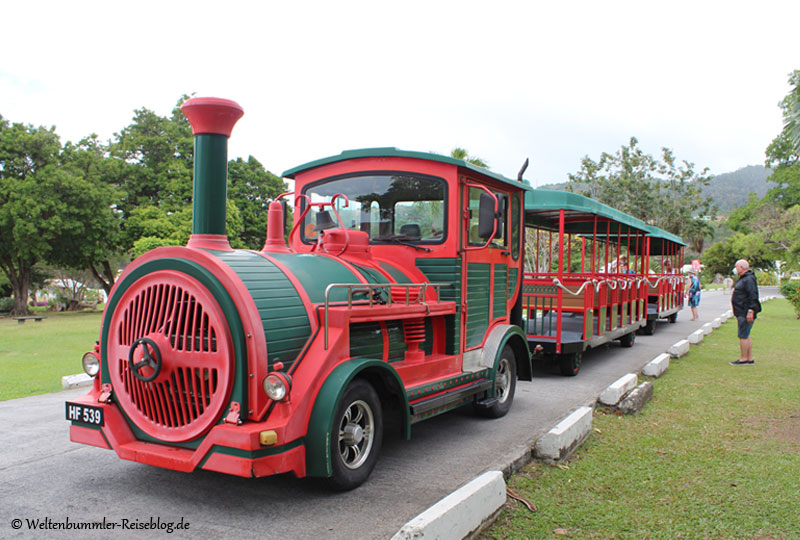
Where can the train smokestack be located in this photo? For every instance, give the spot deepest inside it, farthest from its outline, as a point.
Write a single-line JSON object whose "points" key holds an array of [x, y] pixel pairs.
{"points": [[212, 121]]}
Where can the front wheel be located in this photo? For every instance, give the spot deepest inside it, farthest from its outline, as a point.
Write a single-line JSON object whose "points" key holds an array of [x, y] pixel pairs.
{"points": [[505, 384], [356, 436], [672, 318]]}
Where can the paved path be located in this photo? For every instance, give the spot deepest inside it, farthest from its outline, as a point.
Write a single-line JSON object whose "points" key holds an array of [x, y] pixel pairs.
{"points": [[45, 476]]}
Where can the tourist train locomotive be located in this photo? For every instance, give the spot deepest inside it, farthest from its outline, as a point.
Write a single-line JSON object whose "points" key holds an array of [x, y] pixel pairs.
{"points": [[398, 297]]}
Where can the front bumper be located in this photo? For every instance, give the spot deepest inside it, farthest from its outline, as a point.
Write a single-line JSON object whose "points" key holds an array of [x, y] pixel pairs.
{"points": [[226, 448]]}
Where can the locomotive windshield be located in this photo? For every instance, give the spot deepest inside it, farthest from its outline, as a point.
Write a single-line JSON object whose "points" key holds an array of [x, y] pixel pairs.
{"points": [[388, 207]]}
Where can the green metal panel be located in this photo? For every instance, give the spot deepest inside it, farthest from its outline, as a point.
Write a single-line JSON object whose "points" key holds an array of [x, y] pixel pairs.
{"points": [[283, 315], [371, 275], [396, 274], [397, 341], [366, 340], [500, 300], [513, 274], [478, 281], [315, 273], [210, 184], [394, 152], [447, 270], [588, 321]]}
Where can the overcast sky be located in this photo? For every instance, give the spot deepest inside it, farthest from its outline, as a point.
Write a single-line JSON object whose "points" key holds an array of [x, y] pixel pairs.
{"points": [[552, 81]]}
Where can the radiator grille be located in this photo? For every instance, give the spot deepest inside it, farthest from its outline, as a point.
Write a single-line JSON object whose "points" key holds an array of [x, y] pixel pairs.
{"points": [[184, 320]]}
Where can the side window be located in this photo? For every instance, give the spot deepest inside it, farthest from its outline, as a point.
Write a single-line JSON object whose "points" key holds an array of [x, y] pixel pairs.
{"points": [[515, 228], [473, 205]]}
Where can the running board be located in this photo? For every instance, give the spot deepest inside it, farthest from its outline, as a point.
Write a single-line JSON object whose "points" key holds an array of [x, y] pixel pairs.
{"points": [[457, 395]]}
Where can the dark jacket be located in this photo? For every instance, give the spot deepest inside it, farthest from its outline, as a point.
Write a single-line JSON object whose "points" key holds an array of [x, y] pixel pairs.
{"points": [[745, 295]]}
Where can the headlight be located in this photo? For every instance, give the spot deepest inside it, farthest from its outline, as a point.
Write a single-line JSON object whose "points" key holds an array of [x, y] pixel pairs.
{"points": [[91, 364], [276, 386]]}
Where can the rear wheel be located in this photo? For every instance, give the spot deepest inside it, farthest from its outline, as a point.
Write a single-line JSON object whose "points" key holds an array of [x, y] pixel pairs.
{"points": [[650, 328], [569, 364], [356, 436], [672, 318], [628, 340], [505, 383]]}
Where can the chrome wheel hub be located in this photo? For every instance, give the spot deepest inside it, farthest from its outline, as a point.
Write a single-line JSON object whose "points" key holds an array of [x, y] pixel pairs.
{"points": [[356, 434]]}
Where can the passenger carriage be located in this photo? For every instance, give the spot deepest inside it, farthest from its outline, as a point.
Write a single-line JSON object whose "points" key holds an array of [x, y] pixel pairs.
{"points": [[665, 285], [398, 298], [583, 284]]}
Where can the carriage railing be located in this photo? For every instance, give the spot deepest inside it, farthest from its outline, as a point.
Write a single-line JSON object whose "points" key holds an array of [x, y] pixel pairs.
{"points": [[410, 293], [546, 298], [668, 288], [612, 300]]}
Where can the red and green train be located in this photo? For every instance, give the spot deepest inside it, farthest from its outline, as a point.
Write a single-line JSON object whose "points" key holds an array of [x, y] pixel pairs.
{"points": [[402, 294]]}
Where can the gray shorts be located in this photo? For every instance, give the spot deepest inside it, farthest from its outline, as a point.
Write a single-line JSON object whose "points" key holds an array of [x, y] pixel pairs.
{"points": [[744, 327]]}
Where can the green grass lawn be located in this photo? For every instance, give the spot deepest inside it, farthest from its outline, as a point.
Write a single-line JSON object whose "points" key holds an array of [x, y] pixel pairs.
{"points": [[715, 455], [35, 355]]}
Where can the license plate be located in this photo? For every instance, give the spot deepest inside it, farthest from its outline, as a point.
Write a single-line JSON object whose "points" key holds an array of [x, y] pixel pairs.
{"points": [[86, 414]]}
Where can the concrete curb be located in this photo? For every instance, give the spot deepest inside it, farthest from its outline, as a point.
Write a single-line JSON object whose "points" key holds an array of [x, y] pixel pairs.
{"points": [[636, 400], [707, 328], [461, 514], [618, 389], [76, 381], [559, 443], [679, 349], [657, 366], [695, 337]]}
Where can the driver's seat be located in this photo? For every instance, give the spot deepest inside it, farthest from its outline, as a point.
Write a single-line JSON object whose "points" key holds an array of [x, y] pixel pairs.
{"points": [[411, 230]]}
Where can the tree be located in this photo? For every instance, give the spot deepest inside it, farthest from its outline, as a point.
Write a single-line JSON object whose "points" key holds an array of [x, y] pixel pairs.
{"points": [[250, 188], [667, 192], [27, 156], [791, 108], [783, 154], [461, 153], [54, 205]]}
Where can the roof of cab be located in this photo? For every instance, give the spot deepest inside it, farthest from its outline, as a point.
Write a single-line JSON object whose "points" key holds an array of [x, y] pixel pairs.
{"points": [[394, 152]]}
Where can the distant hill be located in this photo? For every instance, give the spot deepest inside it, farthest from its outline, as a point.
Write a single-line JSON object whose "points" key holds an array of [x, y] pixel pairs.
{"points": [[729, 190]]}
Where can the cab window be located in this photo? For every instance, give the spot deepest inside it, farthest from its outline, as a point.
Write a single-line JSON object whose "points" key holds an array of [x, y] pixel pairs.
{"points": [[499, 240], [389, 207]]}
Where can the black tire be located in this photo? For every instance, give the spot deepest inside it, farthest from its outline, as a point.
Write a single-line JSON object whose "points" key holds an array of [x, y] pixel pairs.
{"points": [[356, 436], [505, 384], [673, 318], [628, 340], [570, 364], [650, 328]]}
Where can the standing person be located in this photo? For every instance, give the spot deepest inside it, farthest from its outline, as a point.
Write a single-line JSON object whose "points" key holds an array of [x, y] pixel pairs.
{"points": [[745, 307], [694, 293]]}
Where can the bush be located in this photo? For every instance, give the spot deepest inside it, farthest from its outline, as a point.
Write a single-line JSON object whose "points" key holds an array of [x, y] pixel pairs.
{"points": [[791, 290], [765, 278], [6, 304]]}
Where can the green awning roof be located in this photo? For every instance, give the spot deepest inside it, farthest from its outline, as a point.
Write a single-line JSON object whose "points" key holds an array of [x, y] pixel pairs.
{"points": [[542, 207], [394, 152], [661, 239]]}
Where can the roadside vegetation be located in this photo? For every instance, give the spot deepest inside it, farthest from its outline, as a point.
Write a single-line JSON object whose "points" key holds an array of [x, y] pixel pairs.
{"points": [[715, 455], [35, 355]]}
